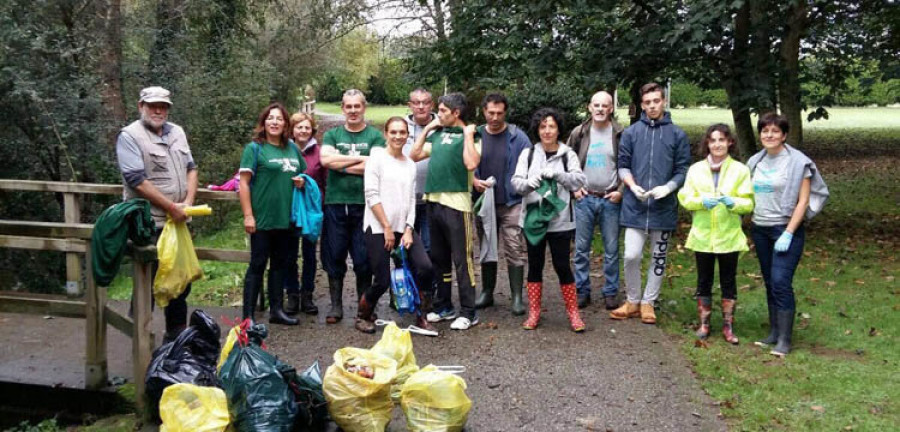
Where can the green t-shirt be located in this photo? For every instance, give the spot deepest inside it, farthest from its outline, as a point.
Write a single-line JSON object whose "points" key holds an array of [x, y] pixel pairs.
{"points": [[272, 188], [446, 170], [346, 188]]}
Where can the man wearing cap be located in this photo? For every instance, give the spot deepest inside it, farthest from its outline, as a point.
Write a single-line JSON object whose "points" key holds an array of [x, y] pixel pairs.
{"points": [[157, 165]]}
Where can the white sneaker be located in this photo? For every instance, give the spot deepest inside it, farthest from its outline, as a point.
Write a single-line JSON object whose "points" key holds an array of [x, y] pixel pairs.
{"points": [[445, 315], [463, 323]]}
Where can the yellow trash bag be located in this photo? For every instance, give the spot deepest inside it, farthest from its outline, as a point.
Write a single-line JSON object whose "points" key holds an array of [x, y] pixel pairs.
{"points": [[434, 400], [189, 408], [229, 344], [358, 390], [397, 344], [178, 264]]}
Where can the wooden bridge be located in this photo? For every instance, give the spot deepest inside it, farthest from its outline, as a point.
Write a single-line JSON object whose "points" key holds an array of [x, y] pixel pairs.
{"points": [[83, 298]]}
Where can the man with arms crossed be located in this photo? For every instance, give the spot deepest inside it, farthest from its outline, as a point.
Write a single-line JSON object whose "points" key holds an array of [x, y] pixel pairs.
{"points": [[344, 152], [454, 155], [596, 142], [654, 156]]}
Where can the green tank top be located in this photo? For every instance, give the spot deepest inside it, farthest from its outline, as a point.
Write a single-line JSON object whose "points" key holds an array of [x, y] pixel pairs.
{"points": [[446, 170]]}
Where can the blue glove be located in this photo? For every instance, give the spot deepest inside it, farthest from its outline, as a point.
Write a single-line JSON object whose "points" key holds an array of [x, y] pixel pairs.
{"points": [[725, 199], [784, 242], [709, 203]]}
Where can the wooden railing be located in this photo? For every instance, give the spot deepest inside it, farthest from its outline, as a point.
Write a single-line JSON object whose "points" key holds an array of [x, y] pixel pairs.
{"points": [[73, 238]]}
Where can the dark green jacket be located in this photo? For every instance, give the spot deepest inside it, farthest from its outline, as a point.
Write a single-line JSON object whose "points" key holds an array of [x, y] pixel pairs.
{"points": [[115, 226], [539, 214]]}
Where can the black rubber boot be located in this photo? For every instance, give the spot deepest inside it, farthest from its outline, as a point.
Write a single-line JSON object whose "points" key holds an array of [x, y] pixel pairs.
{"points": [[773, 329], [251, 285], [336, 289], [488, 283], [293, 304], [516, 284], [785, 320], [276, 306], [307, 305], [262, 300]]}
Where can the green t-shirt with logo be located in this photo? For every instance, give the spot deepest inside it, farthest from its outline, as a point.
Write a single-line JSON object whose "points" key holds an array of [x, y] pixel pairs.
{"points": [[272, 188], [344, 188]]}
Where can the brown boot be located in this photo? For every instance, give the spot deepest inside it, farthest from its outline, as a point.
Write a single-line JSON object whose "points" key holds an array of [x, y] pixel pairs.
{"points": [[364, 321], [728, 321], [704, 309], [648, 315], [568, 293], [534, 305], [627, 310]]}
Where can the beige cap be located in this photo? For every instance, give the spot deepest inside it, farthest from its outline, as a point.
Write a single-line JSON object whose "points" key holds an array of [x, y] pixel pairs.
{"points": [[155, 94]]}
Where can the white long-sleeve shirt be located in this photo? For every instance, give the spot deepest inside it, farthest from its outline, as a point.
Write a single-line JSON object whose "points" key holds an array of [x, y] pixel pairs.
{"points": [[390, 182]]}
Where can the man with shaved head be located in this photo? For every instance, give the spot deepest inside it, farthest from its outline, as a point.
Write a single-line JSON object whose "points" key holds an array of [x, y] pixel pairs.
{"points": [[596, 141]]}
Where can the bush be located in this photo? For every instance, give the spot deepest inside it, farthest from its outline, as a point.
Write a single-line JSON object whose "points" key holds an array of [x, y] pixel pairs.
{"points": [[567, 97]]}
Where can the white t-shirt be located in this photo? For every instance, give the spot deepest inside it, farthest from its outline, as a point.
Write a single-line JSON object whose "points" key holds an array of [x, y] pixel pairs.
{"points": [[390, 182], [770, 179]]}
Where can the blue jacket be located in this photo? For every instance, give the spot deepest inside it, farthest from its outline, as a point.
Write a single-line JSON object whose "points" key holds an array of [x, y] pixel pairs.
{"points": [[516, 142], [306, 209], [654, 153]]}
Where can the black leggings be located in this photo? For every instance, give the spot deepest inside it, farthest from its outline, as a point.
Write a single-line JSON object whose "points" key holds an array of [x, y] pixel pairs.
{"points": [[560, 248], [706, 265], [380, 264]]}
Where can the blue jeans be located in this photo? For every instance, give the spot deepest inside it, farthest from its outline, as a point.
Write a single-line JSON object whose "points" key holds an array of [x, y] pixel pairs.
{"points": [[593, 211], [293, 285], [342, 234], [778, 268]]}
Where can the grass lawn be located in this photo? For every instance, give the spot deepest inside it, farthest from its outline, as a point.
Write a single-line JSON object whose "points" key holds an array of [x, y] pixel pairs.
{"points": [[843, 372]]}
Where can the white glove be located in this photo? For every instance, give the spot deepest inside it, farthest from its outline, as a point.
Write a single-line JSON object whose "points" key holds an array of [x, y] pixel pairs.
{"points": [[548, 173], [660, 192], [534, 182], [639, 192]]}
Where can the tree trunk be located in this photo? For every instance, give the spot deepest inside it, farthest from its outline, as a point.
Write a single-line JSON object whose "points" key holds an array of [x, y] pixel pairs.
{"points": [[111, 69], [734, 80], [789, 82], [164, 60]]}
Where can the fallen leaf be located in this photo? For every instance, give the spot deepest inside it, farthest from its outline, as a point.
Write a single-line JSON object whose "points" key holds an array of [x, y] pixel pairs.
{"points": [[847, 332], [491, 325], [814, 279], [859, 282], [830, 283], [817, 408], [889, 278], [873, 332], [701, 344], [805, 315]]}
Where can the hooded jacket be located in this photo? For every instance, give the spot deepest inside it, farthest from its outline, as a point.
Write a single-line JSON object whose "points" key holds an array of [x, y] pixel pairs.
{"points": [[569, 179], [717, 230], [516, 143], [654, 153]]}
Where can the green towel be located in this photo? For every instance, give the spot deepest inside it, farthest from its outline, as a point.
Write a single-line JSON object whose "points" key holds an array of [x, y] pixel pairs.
{"points": [[115, 226], [538, 215]]}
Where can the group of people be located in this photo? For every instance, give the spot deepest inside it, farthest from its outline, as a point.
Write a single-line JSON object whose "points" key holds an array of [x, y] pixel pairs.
{"points": [[428, 180]]}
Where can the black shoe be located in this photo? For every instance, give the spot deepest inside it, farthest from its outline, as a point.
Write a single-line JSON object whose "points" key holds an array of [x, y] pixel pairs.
{"points": [[307, 305], [583, 301], [611, 302], [277, 316], [293, 304]]}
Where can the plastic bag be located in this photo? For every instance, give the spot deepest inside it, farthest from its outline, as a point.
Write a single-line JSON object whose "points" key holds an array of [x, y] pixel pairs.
{"points": [[190, 358], [189, 408], [357, 403], [403, 285], [311, 403], [178, 264], [259, 399], [232, 338], [397, 344], [434, 400]]}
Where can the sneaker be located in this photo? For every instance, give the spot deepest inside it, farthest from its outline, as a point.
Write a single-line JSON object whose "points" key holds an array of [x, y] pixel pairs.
{"points": [[463, 323], [444, 315]]}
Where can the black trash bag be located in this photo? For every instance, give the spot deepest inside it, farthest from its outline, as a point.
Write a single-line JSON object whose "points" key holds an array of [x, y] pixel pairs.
{"points": [[311, 403], [190, 358], [259, 398]]}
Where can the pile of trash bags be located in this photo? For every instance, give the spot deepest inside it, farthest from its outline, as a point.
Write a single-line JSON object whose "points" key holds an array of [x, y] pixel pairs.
{"points": [[193, 384], [362, 387]]}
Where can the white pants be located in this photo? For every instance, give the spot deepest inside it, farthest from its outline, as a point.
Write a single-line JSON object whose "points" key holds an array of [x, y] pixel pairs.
{"points": [[634, 250]]}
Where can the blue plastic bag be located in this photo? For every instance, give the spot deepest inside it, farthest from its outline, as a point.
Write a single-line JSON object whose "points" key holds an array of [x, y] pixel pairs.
{"points": [[406, 294]]}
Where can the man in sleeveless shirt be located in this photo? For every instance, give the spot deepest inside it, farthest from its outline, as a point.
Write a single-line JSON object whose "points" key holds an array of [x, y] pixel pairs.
{"points": [[454, 155]]}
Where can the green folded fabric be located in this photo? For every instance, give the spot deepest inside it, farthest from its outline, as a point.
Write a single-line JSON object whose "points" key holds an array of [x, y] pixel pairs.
{"points": [[539, 214], [115, 226]]}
